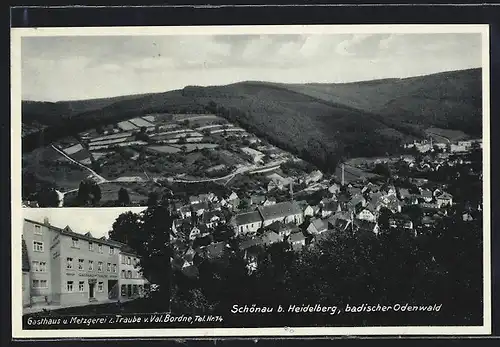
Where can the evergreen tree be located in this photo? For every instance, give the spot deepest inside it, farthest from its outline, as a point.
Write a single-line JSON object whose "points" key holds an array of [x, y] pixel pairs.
{"points": [[123, 197]]}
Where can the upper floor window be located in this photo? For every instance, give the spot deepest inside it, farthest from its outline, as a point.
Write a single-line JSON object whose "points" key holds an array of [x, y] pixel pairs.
{"points": [[114, 268], [80, 264], [100, 248], [109, 267], [99, 266], [128, 260], [37, 246], [75, 243], [111, 250], [91, 265], [69, 263], [39, 266], [91, 246], [37, 229]]}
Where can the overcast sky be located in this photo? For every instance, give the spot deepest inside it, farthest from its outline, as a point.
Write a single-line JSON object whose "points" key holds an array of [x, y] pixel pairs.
{"points": [[80, 67], [96, 220]]}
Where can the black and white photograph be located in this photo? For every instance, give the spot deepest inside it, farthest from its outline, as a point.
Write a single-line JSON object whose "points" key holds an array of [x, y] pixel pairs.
{"points": [[240, 181]]}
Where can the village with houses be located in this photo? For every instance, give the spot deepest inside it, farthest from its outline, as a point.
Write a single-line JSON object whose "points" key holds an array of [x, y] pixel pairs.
{"points": [[404, 202]]}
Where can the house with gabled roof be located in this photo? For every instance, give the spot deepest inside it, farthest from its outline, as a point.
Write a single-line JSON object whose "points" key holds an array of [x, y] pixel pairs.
{"points": [[370, 188], [353, 191], [317, 226], [282, 229], [202, 241], [194, 233], [403, 193], [334, 189], [250, 243], [467, 216], [444, 199], [427, 206], [176, 225], [427, 221], [196, 199], [248, 222], [269, 201], [269, 237], [426, 195], [256, 199], [297, 241], [356, 200], [232, 196], [307, 209], [367, 213], [400, 221], [199, 208], [329, 208], [185, 211], [211, 219], [388, 189], [314, 176], [215, 250], [366, 226], [287, 212]]}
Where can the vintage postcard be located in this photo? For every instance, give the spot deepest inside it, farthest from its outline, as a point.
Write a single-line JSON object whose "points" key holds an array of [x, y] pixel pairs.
{"points": [[250, 181]]}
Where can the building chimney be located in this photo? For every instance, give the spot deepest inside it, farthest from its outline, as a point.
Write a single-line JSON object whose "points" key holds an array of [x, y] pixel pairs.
{"points": [[342, 174], [46, 221]]}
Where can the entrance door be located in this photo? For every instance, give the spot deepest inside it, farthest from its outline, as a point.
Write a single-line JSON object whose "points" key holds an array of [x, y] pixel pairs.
{"points": [[91, 290], [113, 289]]}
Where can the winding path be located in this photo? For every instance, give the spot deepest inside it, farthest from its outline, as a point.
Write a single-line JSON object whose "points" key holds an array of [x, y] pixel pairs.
{"points": [[100, 179], [437, 135], [251, 168]]}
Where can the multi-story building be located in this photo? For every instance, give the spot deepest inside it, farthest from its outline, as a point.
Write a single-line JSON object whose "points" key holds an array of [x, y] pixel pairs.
{"points": [[250, 222], [67, 268], [26, 275], [132, 282]]}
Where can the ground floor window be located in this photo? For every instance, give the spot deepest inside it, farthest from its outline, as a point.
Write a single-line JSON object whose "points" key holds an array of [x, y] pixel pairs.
{"points": [[81, 286], [135, 290], [100, 286], [69, 286], [124, 290]]}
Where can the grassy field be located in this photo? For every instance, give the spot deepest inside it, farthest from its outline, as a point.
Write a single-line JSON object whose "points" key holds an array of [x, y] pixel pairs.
{"points": [[190, 147], [80, 155], [352, 173], [440, 135], [164, 149], [48, 165], [109, 192]]}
